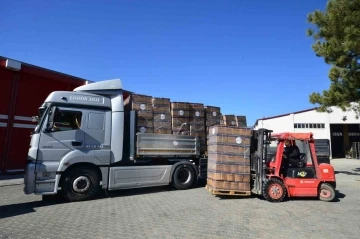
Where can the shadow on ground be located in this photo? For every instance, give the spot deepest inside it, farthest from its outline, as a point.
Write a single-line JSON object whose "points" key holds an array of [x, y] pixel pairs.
{"points": [[338, 196], [13, 210], [9, 177], [349, 172]]}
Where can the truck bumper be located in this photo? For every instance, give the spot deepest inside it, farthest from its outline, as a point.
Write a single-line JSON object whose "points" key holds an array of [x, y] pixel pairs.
{"points": [[41, 178]]}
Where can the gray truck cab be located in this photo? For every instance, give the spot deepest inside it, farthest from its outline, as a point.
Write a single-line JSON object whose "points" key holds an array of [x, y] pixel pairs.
{"points": [[78, 147]]}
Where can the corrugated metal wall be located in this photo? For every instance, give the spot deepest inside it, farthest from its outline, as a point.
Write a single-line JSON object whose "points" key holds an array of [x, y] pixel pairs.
{"points": [[21, 93]]}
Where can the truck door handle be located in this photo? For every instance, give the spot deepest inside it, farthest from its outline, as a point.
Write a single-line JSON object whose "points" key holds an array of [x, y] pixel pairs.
{"points": [[76, 143]]}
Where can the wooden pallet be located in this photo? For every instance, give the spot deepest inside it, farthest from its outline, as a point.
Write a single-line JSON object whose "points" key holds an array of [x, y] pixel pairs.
{"points": [[227, 192]]}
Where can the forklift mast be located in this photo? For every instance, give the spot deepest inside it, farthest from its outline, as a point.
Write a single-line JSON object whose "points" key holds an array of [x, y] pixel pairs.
{"points": [[260, 141]]}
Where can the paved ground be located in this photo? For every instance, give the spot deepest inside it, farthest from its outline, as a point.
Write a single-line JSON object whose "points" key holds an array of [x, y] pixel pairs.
{"points": [[162, 213], [11, 180]]}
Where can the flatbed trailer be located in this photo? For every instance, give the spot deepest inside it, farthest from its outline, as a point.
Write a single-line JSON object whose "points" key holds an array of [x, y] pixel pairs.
{"points": [[85, 142]]}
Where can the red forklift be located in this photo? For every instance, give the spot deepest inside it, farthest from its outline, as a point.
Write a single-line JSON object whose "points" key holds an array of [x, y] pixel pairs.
{"points": [[276, 179]]}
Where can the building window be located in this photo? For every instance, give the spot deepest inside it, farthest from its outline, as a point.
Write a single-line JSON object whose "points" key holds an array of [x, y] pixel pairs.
{"points": [[309, 126]]}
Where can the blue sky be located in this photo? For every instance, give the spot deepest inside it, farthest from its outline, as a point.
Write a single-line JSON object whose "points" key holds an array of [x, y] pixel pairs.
{"points": [[250, 58]]}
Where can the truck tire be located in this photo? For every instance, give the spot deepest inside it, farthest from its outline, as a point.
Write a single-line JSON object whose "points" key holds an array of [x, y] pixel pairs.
{"points": [[183, 177], [326, 192], [274, 190], [81, 184]]}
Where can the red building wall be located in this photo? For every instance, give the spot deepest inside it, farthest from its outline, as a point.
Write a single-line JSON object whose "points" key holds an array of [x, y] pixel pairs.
{"points": [[21, 94]]}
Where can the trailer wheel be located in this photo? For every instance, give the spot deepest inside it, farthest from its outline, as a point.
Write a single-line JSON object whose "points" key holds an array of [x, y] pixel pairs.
{"points": [[81, 184], [326, 192], [274, 190], [183, 177]]}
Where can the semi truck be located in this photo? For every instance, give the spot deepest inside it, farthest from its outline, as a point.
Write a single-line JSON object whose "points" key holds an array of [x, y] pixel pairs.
{"points": [[85, 142]]}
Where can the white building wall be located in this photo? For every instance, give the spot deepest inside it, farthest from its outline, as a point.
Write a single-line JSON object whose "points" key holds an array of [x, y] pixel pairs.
{"points": [[277, 125], [287, 123], [336, 116], [313, 117]]}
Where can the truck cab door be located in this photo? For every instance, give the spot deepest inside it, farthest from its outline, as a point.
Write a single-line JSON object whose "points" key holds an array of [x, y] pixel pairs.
{"points": [[62, 136], [98, 137]]}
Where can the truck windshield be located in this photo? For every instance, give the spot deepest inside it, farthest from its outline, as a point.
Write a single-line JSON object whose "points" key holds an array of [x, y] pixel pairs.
{"points": [[40, 118]]}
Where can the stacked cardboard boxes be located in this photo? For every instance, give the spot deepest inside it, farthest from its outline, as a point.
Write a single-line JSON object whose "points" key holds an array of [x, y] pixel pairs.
{"points": [[143, 105], [212, 116], [241, 121], [229, 120], [162, 115], [180, 118], [197, 124], [232, 120], [229, 158]]}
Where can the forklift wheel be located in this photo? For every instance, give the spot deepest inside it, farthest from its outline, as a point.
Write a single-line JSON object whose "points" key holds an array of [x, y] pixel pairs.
{"points": [[274, 190], [326, 192]]}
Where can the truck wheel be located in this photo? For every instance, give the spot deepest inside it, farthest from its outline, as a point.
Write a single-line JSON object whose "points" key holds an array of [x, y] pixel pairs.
{"points": [[326, 192], [183, 177], [274, 190], [81, 184]]}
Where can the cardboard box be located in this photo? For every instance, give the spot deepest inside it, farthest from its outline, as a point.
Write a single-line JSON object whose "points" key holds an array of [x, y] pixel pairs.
{"points": [[162, 115], [180, 118], [142, 104]]}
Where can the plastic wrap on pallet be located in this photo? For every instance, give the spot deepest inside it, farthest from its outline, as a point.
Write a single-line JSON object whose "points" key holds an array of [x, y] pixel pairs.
{"points": [[143, 105], [180, 118], [229, 158], [230, 176], [228, 186], [162, 115]]}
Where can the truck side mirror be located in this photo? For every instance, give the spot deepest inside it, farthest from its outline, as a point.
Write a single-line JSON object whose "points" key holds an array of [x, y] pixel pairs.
{"points": [[50, 123]]}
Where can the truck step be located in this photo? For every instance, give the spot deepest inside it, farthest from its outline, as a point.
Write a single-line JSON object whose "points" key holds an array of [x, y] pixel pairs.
{"points": [[227, 192]]}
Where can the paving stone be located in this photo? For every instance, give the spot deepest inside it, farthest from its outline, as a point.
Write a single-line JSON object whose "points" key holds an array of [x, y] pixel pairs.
{"points": [[165, 213]]}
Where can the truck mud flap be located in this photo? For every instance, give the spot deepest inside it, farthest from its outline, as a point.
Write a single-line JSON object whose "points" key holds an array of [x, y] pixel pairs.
{"points": [[203, 163]]}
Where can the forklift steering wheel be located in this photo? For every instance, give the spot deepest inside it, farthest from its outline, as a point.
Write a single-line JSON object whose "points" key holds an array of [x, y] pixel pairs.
{"points": [[302, 161]]}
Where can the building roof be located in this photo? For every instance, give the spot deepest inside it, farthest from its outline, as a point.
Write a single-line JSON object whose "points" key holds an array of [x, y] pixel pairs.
{"points": [[41, 71], [278, 116]]}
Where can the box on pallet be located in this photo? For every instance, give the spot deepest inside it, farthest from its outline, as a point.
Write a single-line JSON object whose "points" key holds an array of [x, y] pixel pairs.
{"points": [[212, 115], [229, 158], [143, 105], [232, 120], [229, 120], [197, 124], [241, 121], [162, 115], [180, 118]]}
